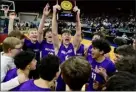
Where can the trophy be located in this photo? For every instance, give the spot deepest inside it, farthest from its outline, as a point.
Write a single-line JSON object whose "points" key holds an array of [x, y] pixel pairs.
{"points": [[66, 13]]}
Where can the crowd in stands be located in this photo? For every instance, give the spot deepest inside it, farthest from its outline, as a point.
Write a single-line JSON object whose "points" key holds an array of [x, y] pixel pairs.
{"points": [[111, 25], [44, 62]]}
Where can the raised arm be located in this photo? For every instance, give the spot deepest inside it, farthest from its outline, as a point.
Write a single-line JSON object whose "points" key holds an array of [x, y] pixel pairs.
{"points": [[76, 40], [11, 19], [12, 16], [6, 12], [56, 41], [46, 12]]}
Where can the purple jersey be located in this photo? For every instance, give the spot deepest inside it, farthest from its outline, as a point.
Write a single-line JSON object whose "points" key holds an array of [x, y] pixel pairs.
{"points": [[47, 48], [10, 75], [80, 51], [64, 53], [61, 86], [35, 47], [107, 64], [89, 52], [30, 86]]}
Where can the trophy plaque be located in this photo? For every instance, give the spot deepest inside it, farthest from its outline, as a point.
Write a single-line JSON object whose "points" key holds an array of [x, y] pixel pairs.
{"points": [[66, 13]]}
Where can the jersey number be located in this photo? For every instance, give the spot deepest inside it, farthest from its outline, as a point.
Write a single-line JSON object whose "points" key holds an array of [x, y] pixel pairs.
{"points": [[94, 76], [50, 53], [66, 58]]}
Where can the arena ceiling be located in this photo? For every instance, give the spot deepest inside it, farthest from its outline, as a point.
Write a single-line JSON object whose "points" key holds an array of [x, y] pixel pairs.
{"points": [[86, 6]]}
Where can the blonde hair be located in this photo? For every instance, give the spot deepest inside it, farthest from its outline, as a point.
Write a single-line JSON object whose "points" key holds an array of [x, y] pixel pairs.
{"points": [[10, 42], [32, 29]]}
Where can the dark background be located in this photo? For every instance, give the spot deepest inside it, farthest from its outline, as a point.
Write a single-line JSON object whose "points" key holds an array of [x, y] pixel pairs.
{"points": [[87, 6]]}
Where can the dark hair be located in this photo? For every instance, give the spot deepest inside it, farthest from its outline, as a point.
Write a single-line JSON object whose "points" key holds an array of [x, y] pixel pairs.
{"points": [[76, 72], [99, 33], [127, 63], [65, 31], [47, 30], [24, 58], [121, 81], [49, 67], [102, 45], [125, 50], [120, 41]]}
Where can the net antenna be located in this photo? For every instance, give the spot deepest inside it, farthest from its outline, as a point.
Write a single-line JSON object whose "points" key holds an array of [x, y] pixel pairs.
{"points": [[7, 4]]}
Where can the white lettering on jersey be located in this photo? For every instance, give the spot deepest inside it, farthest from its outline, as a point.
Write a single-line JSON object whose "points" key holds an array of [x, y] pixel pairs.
{"points": [[64, 52], [47, 49]]}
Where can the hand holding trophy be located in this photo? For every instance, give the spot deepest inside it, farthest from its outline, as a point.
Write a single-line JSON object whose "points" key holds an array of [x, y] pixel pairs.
{"points": [[76, 9], [67, 10], [55, 8]]}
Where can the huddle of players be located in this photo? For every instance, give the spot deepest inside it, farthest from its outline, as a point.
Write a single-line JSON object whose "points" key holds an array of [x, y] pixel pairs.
{"points": [[61, 61]]}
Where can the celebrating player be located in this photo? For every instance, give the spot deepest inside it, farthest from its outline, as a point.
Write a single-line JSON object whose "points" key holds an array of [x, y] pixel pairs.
{"points": [[46, 45], [48, 71], [65, 49], [25, 62], [98, 61]]}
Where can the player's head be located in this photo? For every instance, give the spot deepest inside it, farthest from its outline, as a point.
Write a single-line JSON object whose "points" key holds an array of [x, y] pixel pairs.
{"points": [[25, 60], [75, 72], [17, 34], [121, 81], [127, 63], [12, 46], [48, 35], [123, 51], [98, 35], [99, 48], [49, 68], [33, 34], [66, 36]]}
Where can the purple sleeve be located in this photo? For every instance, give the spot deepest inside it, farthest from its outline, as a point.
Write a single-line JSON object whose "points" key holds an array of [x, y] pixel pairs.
{"points": [[25, 44], [61, 86], [111, 68], [25, 41]]}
